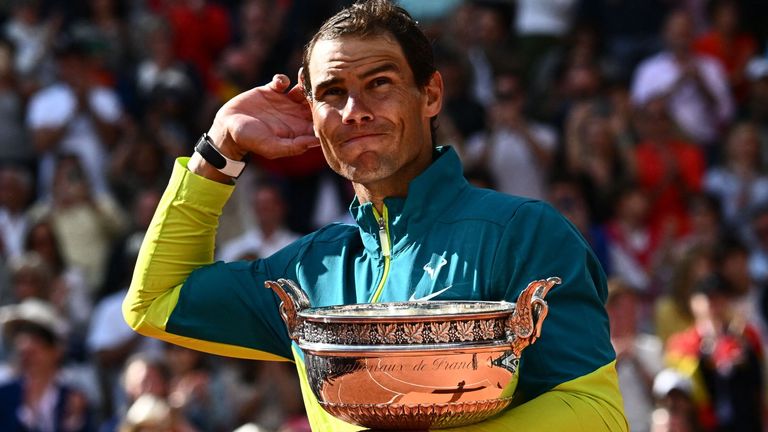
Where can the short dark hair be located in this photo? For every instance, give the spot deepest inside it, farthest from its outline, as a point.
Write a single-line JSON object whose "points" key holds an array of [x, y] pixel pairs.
{"points": [[370, 18]]}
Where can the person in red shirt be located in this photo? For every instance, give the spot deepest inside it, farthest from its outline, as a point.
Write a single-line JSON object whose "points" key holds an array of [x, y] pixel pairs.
{"points": [[202, 30], [722, 354], [727, 43], [668, 168]]}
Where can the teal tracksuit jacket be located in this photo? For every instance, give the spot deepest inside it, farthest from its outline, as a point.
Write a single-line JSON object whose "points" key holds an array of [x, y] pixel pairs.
{"points": [[446, 240]]}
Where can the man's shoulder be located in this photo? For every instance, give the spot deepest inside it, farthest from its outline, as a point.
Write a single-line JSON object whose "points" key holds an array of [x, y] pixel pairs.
{"points": [[494, 206], [331, 233]]}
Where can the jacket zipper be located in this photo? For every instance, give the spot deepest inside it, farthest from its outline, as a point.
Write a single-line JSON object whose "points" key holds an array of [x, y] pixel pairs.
{"points": [[385, 251]]}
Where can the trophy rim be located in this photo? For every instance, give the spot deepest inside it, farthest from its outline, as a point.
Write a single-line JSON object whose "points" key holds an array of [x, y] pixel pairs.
{"points": [[380, 350], [433, 310]]}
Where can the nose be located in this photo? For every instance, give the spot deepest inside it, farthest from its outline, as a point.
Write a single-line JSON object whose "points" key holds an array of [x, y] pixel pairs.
{"points": [[356, 111]]}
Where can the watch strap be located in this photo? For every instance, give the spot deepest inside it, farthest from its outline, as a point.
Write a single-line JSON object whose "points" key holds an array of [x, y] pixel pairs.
{"points": [[213, 156]]}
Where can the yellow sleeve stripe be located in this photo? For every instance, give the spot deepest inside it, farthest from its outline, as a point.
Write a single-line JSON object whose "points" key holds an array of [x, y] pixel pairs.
{"points": [[589, 403], [152, 323]]}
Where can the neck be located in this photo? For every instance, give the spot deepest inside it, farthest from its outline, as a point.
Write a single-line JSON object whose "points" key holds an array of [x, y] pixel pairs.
{"points": [[376, 196], [395, 185]]}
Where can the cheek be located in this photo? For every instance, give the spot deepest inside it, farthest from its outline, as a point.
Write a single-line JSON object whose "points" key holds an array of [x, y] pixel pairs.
{"points": [[324, 121]]}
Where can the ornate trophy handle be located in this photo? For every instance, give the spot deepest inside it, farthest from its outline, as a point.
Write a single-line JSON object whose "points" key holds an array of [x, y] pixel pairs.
{"points": [[524, 326], [294, 300]]}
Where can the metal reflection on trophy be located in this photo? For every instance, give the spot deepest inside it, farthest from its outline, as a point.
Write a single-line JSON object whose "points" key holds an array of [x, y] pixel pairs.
{"points": [[414, 365]]}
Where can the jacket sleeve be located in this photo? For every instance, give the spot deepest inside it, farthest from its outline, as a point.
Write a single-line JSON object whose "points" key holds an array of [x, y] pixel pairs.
{"points": [[179, 295], [569, 372]]}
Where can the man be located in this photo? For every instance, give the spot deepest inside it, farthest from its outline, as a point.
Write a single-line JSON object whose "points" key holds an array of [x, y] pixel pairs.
{"points": [[423, 232], [696, 86], [74, 115], [36, 397]]}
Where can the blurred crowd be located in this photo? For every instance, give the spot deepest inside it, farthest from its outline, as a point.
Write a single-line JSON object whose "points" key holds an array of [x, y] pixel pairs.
{"points": [[645, 122]]}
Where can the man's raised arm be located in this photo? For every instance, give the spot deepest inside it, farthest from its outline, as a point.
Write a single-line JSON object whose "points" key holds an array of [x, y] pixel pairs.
{"points": [[271, 121]]}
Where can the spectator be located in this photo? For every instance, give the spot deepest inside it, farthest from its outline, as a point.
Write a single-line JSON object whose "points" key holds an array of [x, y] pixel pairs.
{"points": [[33, 35], [567, 196], [728, 44], [515, 150], [270, 233], [70, 292], [638, 355], [672, 310], [138, 163], [197, 391], [738, 182], [758, 259], [150, 413], [30, 279], [676, 411], [201, 49], [721, 353], [541, 25], [669, 169], [109, 340], [629, 29], [487, 30], [36, 399], [756, 105], [74, 115], [732, 261], [86, 222], [15, 147], [104, 30], [143, 375], [461, 110], [593, 153], [16, 192], [161, 70], [632, 244], [706, 226], [695, 87]]}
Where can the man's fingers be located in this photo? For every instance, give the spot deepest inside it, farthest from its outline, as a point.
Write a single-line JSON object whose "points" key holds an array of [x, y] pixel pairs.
{"points": [[307, 141], [284, 147], [279, 83]]}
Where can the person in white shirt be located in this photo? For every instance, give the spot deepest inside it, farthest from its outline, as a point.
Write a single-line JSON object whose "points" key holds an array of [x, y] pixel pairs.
{"points": [[696, 87], [270, 234], [74, 115], [516, 152]]}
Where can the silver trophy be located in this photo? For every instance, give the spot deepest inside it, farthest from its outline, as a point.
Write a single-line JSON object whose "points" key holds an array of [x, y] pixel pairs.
{"points": [[414, 365]]}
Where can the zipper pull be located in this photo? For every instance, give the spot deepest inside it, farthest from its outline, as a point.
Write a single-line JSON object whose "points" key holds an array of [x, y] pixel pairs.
{"points": [[383, 237]]}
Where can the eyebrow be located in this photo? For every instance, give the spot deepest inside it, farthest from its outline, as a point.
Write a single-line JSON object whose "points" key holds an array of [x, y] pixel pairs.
{"points": [[386, 67]]}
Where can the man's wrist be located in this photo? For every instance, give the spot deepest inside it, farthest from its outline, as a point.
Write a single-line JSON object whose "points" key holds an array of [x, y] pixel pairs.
{"points": [[224, 143], [209, 151], [201, 167]]}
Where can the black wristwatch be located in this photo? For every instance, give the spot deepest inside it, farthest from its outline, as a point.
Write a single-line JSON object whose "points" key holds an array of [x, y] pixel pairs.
{"points": [[213, 156]]}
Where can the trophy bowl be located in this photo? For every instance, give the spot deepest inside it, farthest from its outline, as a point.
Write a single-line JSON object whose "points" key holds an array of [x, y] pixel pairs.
{"points": [[413, 365]]}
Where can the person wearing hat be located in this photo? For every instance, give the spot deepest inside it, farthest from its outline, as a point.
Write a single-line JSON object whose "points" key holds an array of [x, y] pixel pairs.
{"points": [[34, 398], [722, 356]]}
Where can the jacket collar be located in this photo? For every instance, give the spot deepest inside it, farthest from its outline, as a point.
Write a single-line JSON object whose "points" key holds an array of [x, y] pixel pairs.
{"points": [[429, 194]]}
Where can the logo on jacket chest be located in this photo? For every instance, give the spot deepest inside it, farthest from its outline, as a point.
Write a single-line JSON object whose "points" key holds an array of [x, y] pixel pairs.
{"points": [[431, 284]]}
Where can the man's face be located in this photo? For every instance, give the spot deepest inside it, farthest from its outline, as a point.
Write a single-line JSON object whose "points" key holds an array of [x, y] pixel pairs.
{"points": [[35, 354], [371, 118]]}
